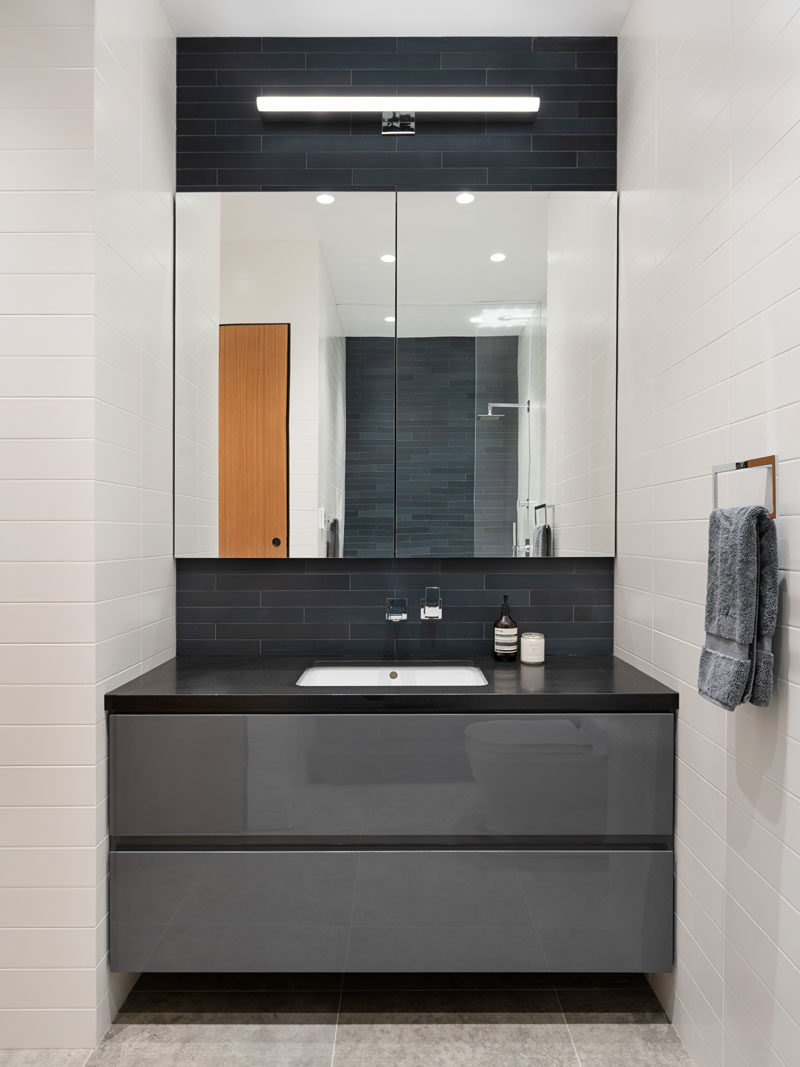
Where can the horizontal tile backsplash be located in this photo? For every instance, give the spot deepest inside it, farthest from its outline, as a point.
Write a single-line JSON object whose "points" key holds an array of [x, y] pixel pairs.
{"points": [[224, 143], [329, 607]]}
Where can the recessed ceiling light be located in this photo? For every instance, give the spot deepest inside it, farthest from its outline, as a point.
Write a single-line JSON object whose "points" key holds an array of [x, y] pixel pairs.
{"points": [[477, 320], [325, 198], [388, 258], [389, 318], [464, 198], [497, 257]]}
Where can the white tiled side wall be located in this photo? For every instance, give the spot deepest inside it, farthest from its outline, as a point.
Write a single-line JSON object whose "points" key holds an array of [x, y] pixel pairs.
{"points": [[85, 568], [134, 189], [581, 371], [50, 822], [197, 297], [710, 372]]}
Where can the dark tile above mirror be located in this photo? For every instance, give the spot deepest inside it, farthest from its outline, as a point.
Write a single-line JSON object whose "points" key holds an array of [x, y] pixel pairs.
{"points": [[223, 143], [332, 607]]}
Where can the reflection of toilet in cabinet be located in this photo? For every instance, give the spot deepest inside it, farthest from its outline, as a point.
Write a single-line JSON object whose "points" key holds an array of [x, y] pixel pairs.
{"points": [[277, 768], [540, 777]]}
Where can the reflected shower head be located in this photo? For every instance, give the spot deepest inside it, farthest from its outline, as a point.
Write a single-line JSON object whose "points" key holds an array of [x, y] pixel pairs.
{"points": [[492, 416]]}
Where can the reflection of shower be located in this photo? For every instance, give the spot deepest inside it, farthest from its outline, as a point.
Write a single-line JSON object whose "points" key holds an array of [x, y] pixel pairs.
{"points": [[490, 415]]}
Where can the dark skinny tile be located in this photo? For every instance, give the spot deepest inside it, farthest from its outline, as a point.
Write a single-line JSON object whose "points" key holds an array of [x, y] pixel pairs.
{"points": [[493, 59], [419, 80], [578, 44], [607, 60], [198, 598], [464, 44], [539, 159], [399, 177], [381, 45], [219, 44], [217, 648], [273, 580], [239, 60], [373, 159], [365, 60], [281, 632]]}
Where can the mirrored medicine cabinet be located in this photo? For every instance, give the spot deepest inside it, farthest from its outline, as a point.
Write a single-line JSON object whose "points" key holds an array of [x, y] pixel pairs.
{"points": [[371, 374]]}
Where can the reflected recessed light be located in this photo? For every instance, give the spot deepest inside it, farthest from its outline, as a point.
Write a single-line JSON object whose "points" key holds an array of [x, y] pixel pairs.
{"points": [[325, 198], [464, 198], [497, 257], [477, 320], [388, 258], [389, 318]]}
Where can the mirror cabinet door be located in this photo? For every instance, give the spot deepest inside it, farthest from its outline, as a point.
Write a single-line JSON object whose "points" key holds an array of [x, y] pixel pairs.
{"points": [[285, 315], [506, 374]]}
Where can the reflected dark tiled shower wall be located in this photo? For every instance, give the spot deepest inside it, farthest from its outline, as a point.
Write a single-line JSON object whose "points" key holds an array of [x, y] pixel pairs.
{"points": [[435, 446], [369, 448], [496, 446], [456, 478]]}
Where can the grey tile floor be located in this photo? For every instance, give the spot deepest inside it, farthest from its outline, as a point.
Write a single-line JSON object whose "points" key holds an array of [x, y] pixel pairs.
{"points": [[391, 1021], [488, 1020]]}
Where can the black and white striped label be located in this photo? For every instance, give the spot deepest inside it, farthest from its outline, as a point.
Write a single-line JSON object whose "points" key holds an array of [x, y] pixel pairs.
{"points": [[506, 640]]}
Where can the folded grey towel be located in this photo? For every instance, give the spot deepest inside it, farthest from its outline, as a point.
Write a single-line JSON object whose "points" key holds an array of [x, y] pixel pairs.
{"points": [[541, 540], [736, 664]]}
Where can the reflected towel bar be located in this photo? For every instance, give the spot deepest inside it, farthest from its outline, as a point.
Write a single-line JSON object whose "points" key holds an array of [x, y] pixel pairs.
{"points": [[761, 461]]}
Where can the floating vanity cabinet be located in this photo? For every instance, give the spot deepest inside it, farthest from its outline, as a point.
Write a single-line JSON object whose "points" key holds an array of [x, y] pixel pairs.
{"points": [[355, 832]]}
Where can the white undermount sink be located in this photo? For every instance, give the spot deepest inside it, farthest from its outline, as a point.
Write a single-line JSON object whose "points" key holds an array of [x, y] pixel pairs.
{"points": [[392, 675]]}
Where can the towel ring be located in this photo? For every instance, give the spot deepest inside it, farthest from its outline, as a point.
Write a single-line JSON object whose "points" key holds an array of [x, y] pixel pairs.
{"points": [[761, 461]]}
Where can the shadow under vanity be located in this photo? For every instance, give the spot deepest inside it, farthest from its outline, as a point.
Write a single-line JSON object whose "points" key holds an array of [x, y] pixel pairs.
{"points": [[524, 825]]}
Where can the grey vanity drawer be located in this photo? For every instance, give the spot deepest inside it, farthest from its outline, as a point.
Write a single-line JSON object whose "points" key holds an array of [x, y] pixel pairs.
{"points": [[349, 779], [537, 910]]}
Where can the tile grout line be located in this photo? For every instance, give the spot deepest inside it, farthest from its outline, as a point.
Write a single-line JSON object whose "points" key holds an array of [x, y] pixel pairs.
{"points": [[338, 1015], [569, 1032]]}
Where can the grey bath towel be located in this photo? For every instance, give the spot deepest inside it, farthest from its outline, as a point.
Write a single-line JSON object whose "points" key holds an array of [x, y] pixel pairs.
{"points": [[736, 664], [541, 540]]}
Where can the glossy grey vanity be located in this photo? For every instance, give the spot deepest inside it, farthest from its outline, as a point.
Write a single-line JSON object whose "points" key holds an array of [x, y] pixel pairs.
{"points": [[526, 825]]}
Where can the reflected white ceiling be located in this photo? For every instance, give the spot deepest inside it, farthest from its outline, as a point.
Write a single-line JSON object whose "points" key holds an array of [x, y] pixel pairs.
{"points": [[445, 275], [412, 18]]}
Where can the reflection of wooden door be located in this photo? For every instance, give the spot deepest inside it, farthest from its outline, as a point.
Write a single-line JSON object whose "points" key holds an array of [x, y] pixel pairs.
{"points": [[253, 440]]}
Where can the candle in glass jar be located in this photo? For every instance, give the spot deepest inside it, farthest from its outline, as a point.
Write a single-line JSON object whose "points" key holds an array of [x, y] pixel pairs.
{"points": [[531, 648]]}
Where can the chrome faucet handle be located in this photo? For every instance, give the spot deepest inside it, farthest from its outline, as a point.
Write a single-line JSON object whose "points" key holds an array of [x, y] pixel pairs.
{"points": [[396, 609], [431, 604]]}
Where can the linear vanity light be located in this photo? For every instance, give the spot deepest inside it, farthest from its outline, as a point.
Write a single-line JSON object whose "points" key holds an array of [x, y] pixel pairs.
{"points": [[398, 111]]}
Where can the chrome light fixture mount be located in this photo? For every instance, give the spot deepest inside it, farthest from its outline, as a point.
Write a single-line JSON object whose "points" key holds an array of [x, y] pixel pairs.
{"points": [[397, 123], [398, 113]]}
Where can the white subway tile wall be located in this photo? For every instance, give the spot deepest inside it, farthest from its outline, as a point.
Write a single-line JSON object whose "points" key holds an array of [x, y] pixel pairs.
{"points": [[709, 372], [134, 620], [86, 575]]}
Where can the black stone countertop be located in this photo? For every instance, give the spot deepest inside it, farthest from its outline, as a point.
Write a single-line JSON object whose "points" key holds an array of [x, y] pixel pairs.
{"points": [[233, 684]]}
